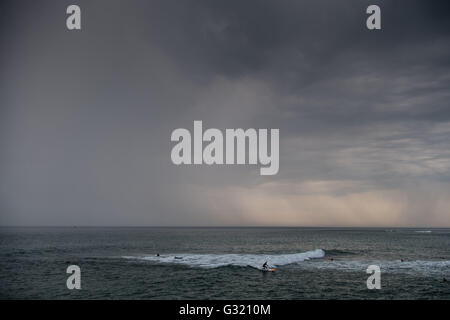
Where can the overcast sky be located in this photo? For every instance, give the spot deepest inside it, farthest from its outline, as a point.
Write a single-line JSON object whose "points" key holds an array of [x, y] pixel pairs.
{"points": [[86, 116]]}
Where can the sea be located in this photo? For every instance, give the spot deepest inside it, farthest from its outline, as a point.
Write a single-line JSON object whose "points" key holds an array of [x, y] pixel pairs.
{"points": [[224, 263]]}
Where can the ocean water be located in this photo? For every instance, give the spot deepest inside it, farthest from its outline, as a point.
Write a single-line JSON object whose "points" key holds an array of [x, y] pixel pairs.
{"points": [[224, 263]]}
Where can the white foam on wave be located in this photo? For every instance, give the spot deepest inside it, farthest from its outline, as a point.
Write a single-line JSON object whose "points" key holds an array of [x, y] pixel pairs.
{"points": [[242, 260], [423, 231]]}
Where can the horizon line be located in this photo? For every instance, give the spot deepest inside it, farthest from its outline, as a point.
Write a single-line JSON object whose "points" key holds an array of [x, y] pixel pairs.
{"points": [[224, 226]]}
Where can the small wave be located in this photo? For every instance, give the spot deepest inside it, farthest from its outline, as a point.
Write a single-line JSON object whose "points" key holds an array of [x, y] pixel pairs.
{"points": [[425, 267], [241, 260], [337, 252], [423, 231]]}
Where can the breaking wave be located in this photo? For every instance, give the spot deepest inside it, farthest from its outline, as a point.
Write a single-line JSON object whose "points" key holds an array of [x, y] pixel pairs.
{"points": [[241, 260]]}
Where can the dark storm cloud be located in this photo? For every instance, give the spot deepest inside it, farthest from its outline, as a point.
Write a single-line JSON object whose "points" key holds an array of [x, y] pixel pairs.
{"points": [[236, 37], [86, 116]]}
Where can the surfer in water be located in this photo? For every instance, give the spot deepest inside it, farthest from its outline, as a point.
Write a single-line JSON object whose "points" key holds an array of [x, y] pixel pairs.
{"points": [[265, 266]]}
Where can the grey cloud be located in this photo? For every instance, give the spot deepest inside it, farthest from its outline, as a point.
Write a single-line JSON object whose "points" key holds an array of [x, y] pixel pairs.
{"points": [[86, 117]]}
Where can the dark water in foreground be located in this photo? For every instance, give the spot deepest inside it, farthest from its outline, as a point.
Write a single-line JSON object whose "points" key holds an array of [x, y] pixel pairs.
{"points": [[222, 263]]}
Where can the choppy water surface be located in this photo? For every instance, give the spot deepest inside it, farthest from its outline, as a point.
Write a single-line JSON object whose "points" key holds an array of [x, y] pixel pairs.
{"points": [[224, 263]]}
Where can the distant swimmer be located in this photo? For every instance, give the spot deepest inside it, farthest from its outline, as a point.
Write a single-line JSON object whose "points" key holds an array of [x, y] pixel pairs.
{"points": [[401, 260], [331, 259], [265, 266], [157, 254], [444, 279]]}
